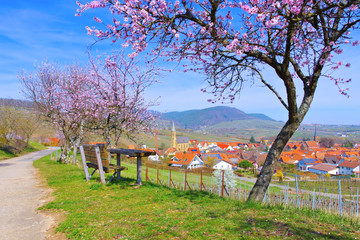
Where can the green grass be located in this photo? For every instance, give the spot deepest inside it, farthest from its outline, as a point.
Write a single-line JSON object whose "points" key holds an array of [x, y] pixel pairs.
{"points": [[122, 210], [348, 187], [33, 146], [5, 155]]}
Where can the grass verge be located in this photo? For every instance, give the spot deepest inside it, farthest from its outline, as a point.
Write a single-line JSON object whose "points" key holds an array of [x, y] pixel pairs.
{"points": [[122, 210], [33, 146]]}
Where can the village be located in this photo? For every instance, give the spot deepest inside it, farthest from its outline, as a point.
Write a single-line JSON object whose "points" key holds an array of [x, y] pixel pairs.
{"points": [[304, 156]]}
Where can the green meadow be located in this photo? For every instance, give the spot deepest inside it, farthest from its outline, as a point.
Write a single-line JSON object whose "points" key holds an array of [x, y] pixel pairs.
{"points": [[122, 210]]}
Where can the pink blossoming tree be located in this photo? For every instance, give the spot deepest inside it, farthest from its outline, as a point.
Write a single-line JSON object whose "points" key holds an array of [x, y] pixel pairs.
{"points": [[119, 107], [107, 97], [233, 41], [61, 97]]}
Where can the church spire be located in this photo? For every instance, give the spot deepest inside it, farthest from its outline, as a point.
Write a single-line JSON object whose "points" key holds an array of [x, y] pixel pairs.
{"points": [[316, 138], [173, 137]]}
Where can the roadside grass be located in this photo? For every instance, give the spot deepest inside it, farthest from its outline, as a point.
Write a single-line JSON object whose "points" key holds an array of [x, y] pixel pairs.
{"points": [[5, 155], [33, 146], [122, 210]]}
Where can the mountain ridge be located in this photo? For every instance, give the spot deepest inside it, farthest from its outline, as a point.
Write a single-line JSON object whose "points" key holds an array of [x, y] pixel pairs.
{"points": [[196, 119]]}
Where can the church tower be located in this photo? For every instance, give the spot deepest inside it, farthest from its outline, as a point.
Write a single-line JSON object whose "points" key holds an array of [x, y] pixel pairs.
{"points": [[316, 138], [173, 136]]}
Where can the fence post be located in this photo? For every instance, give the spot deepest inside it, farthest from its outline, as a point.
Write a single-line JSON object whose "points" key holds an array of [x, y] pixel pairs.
{"points": [[357, 202], [201, 183], [170, 178], [222, 183], [185, 179], [211, 185], [147, 175], [340, 202], [297, 192], [313, 202], [287, 194], [240, 191], [157, 176]]}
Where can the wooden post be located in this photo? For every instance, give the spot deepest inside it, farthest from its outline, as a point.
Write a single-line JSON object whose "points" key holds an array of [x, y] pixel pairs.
{"points": [[340, 201], [99, 161], [222, 184], [240, 191], [201, 183], [118, 162], [357, 202], [185, 182], [147, 176], [157, 176], [138, 179], [83, 159], [297, 193], [170, 178], [313, 202]]}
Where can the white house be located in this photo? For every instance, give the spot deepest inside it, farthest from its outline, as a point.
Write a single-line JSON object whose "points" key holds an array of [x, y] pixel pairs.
{"points": [[348, 168], [188, 161], [154, 158], [324, 168], [223, 165]]}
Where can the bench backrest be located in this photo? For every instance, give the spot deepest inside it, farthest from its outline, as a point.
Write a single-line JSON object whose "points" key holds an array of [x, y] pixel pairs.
{"points": [[90, 154]]}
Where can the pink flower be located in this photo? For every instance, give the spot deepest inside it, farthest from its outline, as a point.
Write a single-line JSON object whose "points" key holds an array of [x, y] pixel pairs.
{"points": [[97, 19]]}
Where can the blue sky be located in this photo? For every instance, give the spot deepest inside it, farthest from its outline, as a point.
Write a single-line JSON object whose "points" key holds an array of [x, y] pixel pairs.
{"points": [[36, 30]]}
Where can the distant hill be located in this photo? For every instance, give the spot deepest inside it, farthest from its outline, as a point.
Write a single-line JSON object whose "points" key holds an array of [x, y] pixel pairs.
{"points": [[8, 102], [196, 119], [260, 116]]}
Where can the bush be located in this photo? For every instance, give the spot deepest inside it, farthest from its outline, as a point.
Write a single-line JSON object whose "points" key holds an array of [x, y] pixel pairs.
{"points": [[245, 164], [15, 147]]}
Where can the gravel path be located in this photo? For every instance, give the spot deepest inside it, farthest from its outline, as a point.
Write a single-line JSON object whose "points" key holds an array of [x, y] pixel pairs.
{"points": [[20, 196]]}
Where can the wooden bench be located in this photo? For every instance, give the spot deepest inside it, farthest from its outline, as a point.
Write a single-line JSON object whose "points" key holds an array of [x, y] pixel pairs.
{"points": [[96, 156]]}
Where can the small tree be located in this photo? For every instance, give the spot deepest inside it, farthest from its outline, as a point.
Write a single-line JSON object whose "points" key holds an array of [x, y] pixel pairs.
{"points": [[245, 164], [279, 175], [252, 139], [229, 178], [61, 97], [327, 142], [118, 85]]}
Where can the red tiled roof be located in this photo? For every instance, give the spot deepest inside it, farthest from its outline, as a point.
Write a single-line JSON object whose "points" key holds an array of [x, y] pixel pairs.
{"points": [[324, 167], [349, 164]]}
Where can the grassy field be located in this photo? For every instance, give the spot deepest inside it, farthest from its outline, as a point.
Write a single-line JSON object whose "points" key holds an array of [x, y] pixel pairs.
{"points": [[122, 210], [33, 146], [348, 187]]}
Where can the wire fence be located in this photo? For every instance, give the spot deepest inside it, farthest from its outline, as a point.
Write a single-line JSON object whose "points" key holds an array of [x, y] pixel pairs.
{"points": [[287, 196]]}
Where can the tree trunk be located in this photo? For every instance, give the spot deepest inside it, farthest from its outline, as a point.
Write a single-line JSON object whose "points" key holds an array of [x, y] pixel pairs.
{"points": [[64, 154], [78, 141], [74, 161], [262, 183]]}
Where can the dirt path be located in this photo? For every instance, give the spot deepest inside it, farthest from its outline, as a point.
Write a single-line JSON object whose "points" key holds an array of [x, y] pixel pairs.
{"points": [[21, 193]]}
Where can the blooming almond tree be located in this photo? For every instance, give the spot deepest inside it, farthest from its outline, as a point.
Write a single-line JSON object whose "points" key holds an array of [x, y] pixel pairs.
{"points": [[233, 41], [61, 96], [119, 107]]}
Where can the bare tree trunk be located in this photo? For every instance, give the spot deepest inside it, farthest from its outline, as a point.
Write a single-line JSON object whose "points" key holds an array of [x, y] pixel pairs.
{"points": [[107, 137], [74, 161], [64, 153], [263, 181], [77, 142]]}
